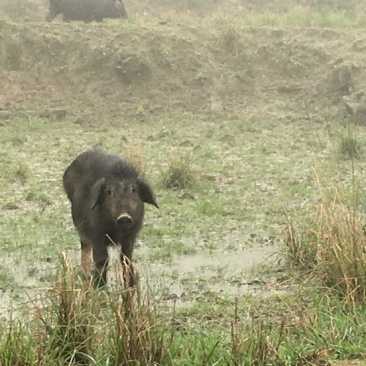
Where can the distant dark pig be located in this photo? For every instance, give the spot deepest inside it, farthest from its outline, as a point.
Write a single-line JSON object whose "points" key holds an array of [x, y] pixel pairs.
{"points": [[86, 10], [107, 205]]}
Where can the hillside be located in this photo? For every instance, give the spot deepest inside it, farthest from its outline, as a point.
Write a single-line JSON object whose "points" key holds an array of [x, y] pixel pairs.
{"points": [[108, 71]]}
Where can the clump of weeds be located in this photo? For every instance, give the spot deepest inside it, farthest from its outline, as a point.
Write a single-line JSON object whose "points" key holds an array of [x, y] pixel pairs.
{"points": [[179, 174]]}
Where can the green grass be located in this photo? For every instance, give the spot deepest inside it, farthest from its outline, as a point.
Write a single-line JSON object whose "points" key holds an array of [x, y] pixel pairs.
{"points": [[179, 175], [75, 324], [351, 146], [240, 189], [299, 16], [227, 182], [237, 185], [278, 13], [256, 190]]}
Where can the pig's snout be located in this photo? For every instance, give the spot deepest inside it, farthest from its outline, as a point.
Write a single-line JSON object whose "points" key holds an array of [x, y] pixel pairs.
{"points": [[125, 221]]}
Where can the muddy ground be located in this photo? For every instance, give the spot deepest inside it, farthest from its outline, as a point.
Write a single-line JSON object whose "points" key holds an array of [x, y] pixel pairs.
{"points": [[256, 108]]}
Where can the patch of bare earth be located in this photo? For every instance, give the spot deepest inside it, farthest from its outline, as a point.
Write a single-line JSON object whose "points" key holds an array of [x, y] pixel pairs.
{"points": [[103, 73]]}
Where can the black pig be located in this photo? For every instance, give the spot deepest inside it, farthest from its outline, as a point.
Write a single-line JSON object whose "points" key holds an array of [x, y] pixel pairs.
{"points": [[86, 10], [107, 205]]}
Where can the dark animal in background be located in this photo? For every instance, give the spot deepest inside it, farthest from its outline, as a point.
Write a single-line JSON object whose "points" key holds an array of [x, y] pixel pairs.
{"points": [[86, 10], [107, 205]]}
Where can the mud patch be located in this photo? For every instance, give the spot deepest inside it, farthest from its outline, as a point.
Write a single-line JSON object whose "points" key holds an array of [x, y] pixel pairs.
{"points": [[209, 264], [25, 281], [186, 280]]}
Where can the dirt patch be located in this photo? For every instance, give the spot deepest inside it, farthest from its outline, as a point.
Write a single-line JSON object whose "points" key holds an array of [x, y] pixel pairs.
{"points": [[101, 72]]}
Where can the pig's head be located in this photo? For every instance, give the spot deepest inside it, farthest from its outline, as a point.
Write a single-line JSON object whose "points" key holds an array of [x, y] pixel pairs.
{"points": [[121, 202]]}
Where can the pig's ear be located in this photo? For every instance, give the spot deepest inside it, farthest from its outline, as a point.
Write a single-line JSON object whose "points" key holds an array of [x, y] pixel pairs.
{"points": [[97, 193], [146, 193]]}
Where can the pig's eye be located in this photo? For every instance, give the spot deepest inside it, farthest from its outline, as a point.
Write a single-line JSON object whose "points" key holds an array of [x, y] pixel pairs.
{"points": [[109, 192], [133, 189]]}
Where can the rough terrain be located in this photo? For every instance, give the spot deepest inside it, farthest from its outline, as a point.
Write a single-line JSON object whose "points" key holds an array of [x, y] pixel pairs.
{"points": [[254, 107]]}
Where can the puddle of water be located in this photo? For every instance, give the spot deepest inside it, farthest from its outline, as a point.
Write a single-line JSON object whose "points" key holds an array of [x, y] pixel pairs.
{"points": [[234, 262], [209, 265], [182, 281], [185, 279], [26, 280]]}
